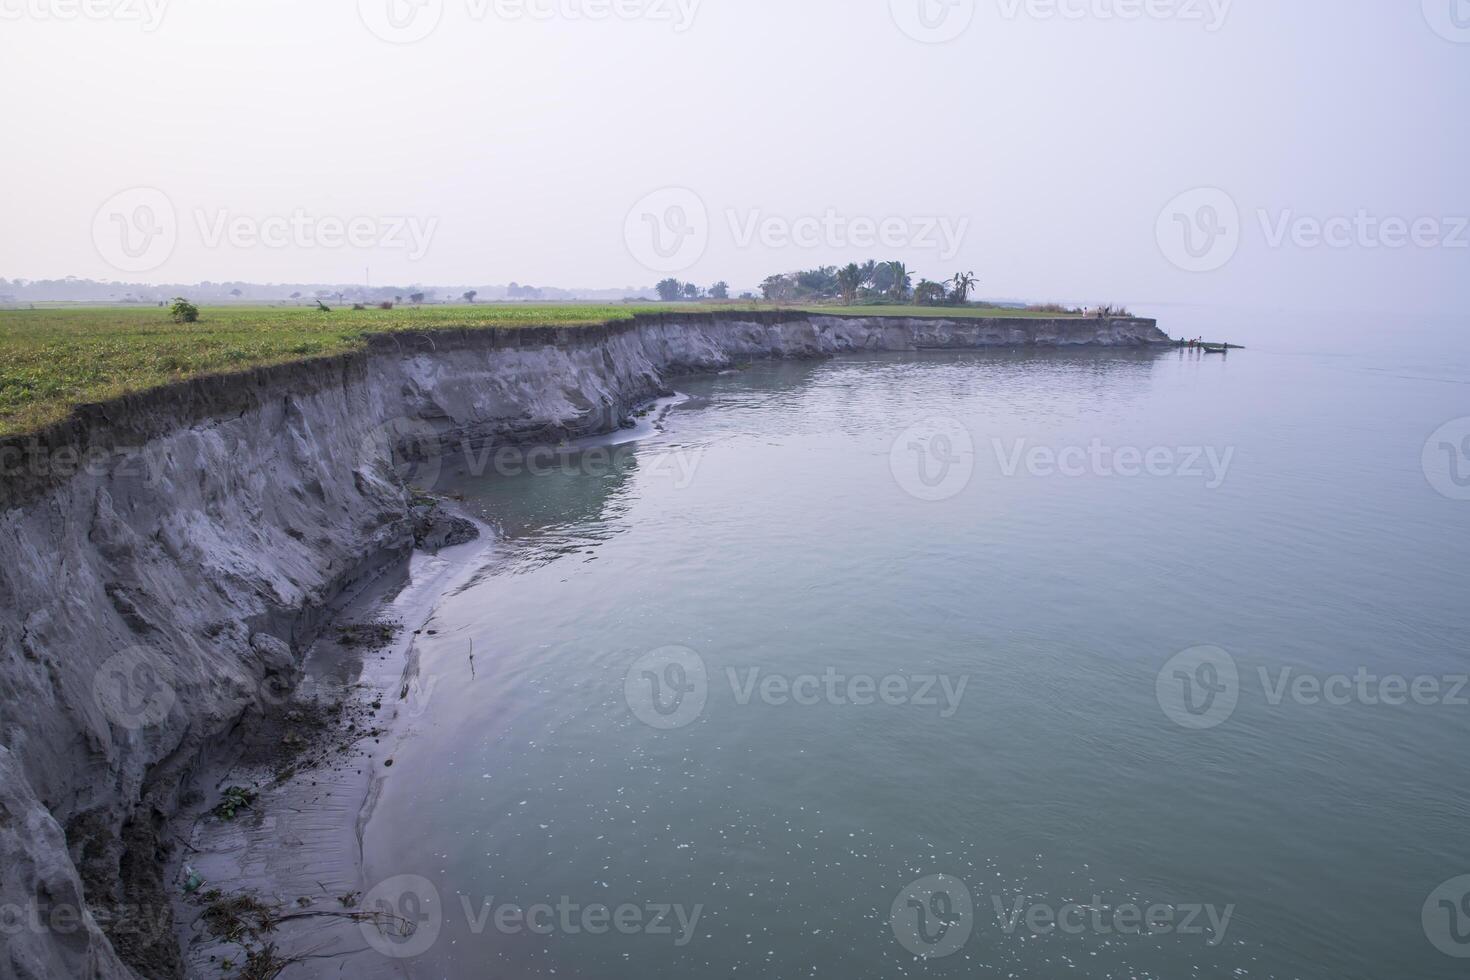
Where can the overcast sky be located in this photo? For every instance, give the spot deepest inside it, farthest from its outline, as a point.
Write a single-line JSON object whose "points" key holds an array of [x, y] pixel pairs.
{"points": [[1059, 148]]}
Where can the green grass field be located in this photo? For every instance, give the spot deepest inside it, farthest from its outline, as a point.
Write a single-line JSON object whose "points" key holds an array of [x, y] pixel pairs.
{"points": [[56, 358], [954, 313]]}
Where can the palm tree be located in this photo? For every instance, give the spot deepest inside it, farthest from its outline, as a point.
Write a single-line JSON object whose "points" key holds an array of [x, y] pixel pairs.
{"points": [[896, 280], [850, 279], [962, 285]]}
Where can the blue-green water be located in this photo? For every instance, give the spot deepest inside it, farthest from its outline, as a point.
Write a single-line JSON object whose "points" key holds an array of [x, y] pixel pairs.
{"points": [[1286, 518]]}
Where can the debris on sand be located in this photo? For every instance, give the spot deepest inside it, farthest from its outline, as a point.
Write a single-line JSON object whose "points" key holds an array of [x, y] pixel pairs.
{"points": [[235, 918], [369, 636], [236, 798]]}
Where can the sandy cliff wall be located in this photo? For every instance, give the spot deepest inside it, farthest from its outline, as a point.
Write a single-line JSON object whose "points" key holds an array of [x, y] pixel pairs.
{"points": [[165, 558]]}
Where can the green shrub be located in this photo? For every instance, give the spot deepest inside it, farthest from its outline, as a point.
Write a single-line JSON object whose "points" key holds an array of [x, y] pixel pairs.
{"points": [[184, 311]]}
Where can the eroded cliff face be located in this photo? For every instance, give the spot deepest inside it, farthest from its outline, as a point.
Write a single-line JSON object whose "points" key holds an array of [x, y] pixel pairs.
{"points": [[164, 559]]}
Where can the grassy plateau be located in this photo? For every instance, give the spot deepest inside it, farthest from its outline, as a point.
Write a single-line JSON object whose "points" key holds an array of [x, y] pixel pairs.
{"points": [[53, 359]]}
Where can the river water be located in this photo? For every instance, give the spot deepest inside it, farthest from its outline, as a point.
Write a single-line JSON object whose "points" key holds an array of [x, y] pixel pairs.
{"points": [[993, 664]]}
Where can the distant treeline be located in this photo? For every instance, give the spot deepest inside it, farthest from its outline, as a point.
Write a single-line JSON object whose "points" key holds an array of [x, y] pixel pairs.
{"points": [[70, 289], [869, 282], [672, 290]]}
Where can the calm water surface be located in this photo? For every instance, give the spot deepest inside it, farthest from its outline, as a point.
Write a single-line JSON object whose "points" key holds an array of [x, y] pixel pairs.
{"points": [[771, 530]]}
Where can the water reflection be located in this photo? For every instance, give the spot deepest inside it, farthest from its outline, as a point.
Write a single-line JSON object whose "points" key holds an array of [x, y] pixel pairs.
{"points": [[793, 550]]}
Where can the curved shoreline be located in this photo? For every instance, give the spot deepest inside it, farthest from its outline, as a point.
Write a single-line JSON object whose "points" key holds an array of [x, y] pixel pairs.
{"points": [[300, 845], [100, 430], [221, 523], [303, 841]]}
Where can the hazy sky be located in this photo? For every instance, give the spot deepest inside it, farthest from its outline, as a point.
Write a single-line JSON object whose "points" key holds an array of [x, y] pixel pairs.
{"points": [[1045, 144]]}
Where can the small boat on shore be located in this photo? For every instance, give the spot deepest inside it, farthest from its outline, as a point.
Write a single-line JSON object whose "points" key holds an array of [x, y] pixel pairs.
{"points": [[1215, 348]]}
